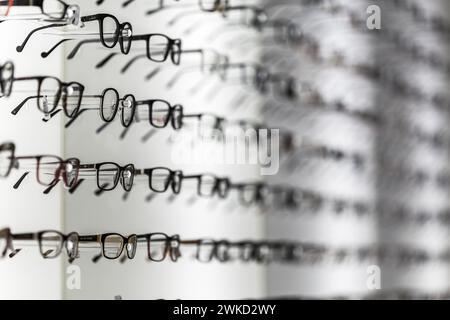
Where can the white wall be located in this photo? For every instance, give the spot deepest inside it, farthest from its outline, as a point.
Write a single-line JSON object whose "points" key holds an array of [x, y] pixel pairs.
{"points": [[27, 209]]}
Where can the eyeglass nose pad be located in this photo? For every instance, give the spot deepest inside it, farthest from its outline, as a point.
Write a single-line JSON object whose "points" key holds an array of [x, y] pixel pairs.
{"points": [[69, 167], [46, 108], [126, 174], [127, 104], [73, 15], [126, 33]]}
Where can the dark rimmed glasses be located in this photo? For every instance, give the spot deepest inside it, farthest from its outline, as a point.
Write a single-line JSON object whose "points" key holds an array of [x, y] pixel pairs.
{"points": [[51, 243], [53, 9], [109, 174], [260, 77], [161, 178], [112, 244], [109, 105], [159, 47], [250, 193], [161, 113], [51, 91], [209, 185], [6, 78], [51, 169], [7, 152], [160, 245], [111, 31]]}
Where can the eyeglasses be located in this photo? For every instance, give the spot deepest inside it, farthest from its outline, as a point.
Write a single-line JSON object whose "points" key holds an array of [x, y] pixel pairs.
{"points": [[7, 151], [109, 174], [111, 32], [285, 31], [6, 78], [159, 245], [159, 47], [51, 92], [51, 169], [260, 78], [246, 251], [161, 113], [211, 61], [209, 185], [204, 5], [51, 243], [208, 250], [108, 106], [54, 9], [160, 179], [113, 244], [249, 193]]}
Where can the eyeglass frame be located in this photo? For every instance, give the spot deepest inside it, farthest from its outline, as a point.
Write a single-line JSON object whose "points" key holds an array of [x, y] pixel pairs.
{"points": [[119, 177], [171, 180], [171, 44], [60, 171], [59, 94], [39, 235], [100, 238], [170, 249]]}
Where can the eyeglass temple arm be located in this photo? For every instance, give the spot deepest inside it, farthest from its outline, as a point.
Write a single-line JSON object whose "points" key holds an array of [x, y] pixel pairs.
{"points": [[16, 110], [24, 43], [191, 177], [75, 50], [86, 166], [105, 60], [89, 238], [52, 186], [190, 242], [45, 54], [177, 76], [23, 236], [72, 120], [132, 60]]}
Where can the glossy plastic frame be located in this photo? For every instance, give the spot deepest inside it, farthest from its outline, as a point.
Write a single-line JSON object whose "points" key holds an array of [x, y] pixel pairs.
{"points": [[119, 177], [173, 180], [171, 245], [72, 254], [221, 186], [130, 240], [173, 47], [58, 94], [60, 172], [173, 111]]}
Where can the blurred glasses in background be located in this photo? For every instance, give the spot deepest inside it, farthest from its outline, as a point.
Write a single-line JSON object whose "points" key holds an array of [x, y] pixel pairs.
{"points": [[6, 78], [50, 242]]}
